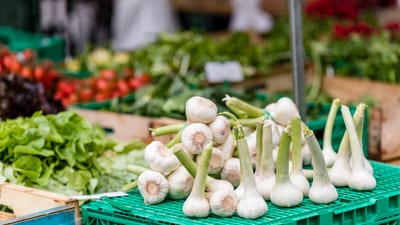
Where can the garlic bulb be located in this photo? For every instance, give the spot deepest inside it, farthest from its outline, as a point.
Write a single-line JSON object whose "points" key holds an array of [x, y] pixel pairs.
{"points": [[200, 110], [152, 186], [180, 183], [195, 136], [160, 158]]}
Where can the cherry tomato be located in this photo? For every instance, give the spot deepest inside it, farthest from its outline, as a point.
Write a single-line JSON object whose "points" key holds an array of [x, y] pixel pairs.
{"points": [[108, 74], [145, 78], [99, 97], [136, 83], [28, 54], [7, 61], [27, 72], [15, 67], [39, 73], [86, 95], [123, 87], [102, 85]]}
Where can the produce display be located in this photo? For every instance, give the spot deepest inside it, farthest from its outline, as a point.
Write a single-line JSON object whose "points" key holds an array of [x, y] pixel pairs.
{"points": [[109, 84], [65, 154], [26, 65], [231, 163], [20, 96]]}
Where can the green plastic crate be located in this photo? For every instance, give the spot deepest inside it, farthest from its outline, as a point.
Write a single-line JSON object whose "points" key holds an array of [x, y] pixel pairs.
{"points": [[46, 47], [380, 206]]}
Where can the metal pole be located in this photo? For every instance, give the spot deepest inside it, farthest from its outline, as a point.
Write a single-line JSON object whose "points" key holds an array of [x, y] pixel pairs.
{"points": [[297, 55]]}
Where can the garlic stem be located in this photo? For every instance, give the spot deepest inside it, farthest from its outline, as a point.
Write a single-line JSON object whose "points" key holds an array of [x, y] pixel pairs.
{"points": [[176, 139], [265, 176], [267, 161], [284, 193], [341, 169], [250, 122], [322, 190], [296, 174], [327, 150], [259, 145], [251, 205], [360, 179], [196, 205], [250, 110], [168, 129], [211, 184], [136, 169]]}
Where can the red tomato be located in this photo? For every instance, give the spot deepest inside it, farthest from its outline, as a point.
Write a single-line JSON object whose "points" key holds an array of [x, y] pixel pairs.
{"points": [[72, 99], [39, 73], [135, 83], [108, 74], [65, 87], [7, 61], [86, 95], [102, 85], [28, 54], [27, 72], [123, 87], [99, 97], [145, 78], [15, 67]]}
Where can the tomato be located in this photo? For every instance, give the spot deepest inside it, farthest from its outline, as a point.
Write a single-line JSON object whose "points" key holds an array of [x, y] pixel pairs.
{"points": [[47, 64], [123, 87], [145, 78], [136, 83], [86, 95], [39, 73], [108, 74], [99, 97], [15, 67], [72, 99], [66, 88], [27, 72], [7, 60], [28, 54], [102, 85]]}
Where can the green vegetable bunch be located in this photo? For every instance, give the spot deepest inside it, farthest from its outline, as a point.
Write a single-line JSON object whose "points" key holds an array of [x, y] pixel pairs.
{"points": [[54, 152]]}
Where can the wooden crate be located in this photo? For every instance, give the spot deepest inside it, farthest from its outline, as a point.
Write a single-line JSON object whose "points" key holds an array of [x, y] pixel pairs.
{"points": [[33, 205], [126, 127], [384, 125]]}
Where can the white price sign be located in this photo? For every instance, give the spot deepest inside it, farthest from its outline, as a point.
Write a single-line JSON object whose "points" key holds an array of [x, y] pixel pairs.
{"points": [[217, 72]]}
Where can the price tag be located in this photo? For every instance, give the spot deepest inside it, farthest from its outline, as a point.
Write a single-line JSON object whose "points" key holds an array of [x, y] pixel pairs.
{"points": [[217, 72]]}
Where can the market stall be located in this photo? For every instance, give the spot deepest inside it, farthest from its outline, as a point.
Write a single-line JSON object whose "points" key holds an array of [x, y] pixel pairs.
{"points": [[292, 125]]}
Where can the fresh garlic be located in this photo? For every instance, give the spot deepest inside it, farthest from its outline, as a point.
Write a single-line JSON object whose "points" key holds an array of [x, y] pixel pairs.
{"points": [[265, 168], [197, 205], [180, 183], [284, 111], [223, 202], [160, 158], [200, 110], [153, 187], [296, 173], [228, 147], [284, 193], [217, 162], [251, 205], [327, 150], [360, 179], [231, 171], [322, 190], [220, 129], [341, 169], [195, 136]]}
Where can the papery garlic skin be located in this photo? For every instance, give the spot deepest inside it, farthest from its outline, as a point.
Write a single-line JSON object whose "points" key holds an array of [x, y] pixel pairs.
{"points": [[153, 187]]}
